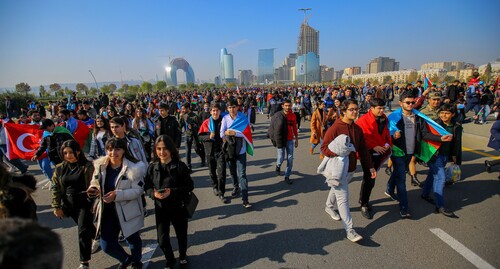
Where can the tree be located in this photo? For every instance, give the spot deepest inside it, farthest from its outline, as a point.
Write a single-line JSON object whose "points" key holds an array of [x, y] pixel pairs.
{"points": [[68, 91], [487, 74], [105, 89], [387, 80], [231, 85], [412, 77], [146, 87], [435, 79], [171, 88], [112, 87], [125, 88], [43, 92], [449, 79], [82, 88], [160, 86], [134, 89], [93, 91], [23, 88], [182, 87], [55, 87]]}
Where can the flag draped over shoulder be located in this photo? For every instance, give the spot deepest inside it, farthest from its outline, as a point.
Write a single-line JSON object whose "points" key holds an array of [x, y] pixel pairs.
{"points": [[241, 125], [23, 140], [427, 148], [208, 125]]}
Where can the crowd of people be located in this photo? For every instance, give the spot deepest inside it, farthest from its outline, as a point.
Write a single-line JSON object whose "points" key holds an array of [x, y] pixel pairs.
{"points": [[132, 151]]}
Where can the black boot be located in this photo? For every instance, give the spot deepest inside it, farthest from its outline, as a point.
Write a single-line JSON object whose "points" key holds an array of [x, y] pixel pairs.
{"points": [[415, 181]]}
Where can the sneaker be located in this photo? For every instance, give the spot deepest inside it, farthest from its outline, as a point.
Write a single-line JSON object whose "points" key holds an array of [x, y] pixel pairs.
{"points": [[488, 166], [246, 204], [83, 266], [405, 214], [353, 236], [391, 195], [365, 212], [278, 171], [388, 171], [235, 192], [183, 261], [446, 212], [427, 198], [223, 199], [96, 245], [146, 213], [311, 150], [216, 192], [333, 214], [288, 181]]}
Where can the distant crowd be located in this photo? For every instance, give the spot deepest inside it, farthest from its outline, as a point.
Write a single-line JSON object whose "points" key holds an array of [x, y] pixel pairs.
{"points": [[103, 155]]}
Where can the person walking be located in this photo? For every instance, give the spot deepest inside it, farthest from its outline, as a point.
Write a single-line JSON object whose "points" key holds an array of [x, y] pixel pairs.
{"points": [[168, 183], [284, 136], [118, 184], [339, 195], [69, 184]]}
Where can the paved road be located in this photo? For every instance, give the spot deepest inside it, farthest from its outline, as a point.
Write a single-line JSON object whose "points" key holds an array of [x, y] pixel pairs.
{"points": [[287, 227]]}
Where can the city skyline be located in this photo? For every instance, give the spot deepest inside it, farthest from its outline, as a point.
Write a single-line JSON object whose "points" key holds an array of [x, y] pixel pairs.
{"points": [[58, 42]]}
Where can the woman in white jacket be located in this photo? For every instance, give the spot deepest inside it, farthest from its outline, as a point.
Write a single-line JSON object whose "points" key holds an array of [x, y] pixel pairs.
{"points": [[118, 181]]}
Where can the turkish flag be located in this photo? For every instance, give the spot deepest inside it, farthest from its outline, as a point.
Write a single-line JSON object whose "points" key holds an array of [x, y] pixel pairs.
{"points": [[23, 140]]}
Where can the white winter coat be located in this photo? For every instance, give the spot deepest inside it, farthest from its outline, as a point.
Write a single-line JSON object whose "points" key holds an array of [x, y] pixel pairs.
{"points": [[129, 188], [337, 167]]}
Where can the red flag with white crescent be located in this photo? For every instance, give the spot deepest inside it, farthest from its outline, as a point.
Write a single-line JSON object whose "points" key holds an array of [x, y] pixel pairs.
{"points": [[23, 140]]}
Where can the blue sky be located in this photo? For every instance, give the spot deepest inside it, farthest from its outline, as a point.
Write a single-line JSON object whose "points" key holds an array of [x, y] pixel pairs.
{"points": [[49, 41]]}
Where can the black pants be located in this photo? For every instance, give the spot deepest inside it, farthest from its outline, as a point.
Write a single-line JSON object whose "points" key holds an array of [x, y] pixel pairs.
{"points": [[179, 219], [297, 116], [368, 183], [78, 209], [217, 171], [198, 149]]}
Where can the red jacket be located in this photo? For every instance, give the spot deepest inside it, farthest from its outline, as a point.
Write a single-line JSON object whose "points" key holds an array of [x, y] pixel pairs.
{"points": [[357, 139]]}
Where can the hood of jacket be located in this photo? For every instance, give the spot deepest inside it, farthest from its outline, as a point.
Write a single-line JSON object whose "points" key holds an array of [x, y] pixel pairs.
{"points": [[134, 170], [341, 145]]}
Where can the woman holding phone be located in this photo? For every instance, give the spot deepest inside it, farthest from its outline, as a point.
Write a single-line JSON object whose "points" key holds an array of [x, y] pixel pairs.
{"points": [[118, 181], [69, 184], [168, 182]]}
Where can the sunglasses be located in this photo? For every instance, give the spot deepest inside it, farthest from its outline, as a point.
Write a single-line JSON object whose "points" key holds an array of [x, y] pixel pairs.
{"points": [[410, 103]]}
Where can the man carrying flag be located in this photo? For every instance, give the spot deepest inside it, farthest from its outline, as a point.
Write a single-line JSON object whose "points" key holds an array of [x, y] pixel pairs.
{"points": [[209, 133], [412, 133], [53, 137], [236, 134]]}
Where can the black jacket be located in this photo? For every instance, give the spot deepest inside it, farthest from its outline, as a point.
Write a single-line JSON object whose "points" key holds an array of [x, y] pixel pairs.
{"points": [[452, 93], [212, 146], [53, 143], [169, 126], [180, 183], [278, 130], [456, 143]]}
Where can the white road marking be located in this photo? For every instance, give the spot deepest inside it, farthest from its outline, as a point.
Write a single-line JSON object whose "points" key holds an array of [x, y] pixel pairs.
{"points": [[461, 249], [147, 253], [41, 183]]}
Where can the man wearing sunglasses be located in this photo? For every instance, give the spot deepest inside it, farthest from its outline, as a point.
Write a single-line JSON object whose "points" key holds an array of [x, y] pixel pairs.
{"points": [[408, 130]]}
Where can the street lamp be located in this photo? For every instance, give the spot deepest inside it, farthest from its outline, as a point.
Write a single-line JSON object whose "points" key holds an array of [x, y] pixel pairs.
{"points": [[97, 86], [303, 46]]}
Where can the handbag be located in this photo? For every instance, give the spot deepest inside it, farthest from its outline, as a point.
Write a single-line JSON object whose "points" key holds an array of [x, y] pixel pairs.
{"points": [[191, 204]]}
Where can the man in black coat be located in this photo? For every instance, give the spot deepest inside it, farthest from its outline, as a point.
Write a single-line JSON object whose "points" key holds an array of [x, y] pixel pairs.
{"points": [[453, 91]]}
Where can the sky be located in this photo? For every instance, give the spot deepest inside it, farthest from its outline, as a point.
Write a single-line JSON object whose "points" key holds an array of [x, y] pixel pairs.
{"points": [[45, 42]]}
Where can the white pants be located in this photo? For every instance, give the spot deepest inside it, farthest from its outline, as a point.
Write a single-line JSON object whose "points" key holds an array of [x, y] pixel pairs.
{"points": [[340, 195]]}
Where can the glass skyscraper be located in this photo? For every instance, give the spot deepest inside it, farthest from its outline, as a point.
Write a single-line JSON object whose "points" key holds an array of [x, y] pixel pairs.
{"points": [[226, 66], [265, 66], [307, 55]]}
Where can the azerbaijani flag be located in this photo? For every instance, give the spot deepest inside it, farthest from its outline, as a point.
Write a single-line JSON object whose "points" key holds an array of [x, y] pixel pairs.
{"points": [[241, 125], [208, 125], [427, 147], [427, 81]]}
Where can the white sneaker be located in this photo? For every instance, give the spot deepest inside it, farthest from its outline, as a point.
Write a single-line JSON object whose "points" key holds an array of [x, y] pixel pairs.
{"points": [[353, 236], [332, 213], [46, 186]]}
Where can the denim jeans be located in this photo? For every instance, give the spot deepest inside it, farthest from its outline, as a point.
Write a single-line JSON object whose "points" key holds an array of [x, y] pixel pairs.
{"points": [[110, 229], [46, 167], [436, 179], [340, 196], [238, 171], [289, 157], [486, 112], [398, 179]]}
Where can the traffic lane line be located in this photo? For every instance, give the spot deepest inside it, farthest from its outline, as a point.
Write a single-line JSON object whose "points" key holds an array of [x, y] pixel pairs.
{"points": [[147, 253], [461, 249], [481, 153]]}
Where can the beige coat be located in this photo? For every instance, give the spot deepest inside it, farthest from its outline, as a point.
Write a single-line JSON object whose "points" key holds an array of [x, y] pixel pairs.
{"points": [[317, 125], [129, 189]]}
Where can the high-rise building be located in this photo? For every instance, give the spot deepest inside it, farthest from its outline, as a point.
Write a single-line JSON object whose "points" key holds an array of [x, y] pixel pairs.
{"points": [[307, 64], [382, 64], [350, 71], [327, 73], [265, 66], [284, 72], [338, 74], [226, 66], [245, 77]]}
